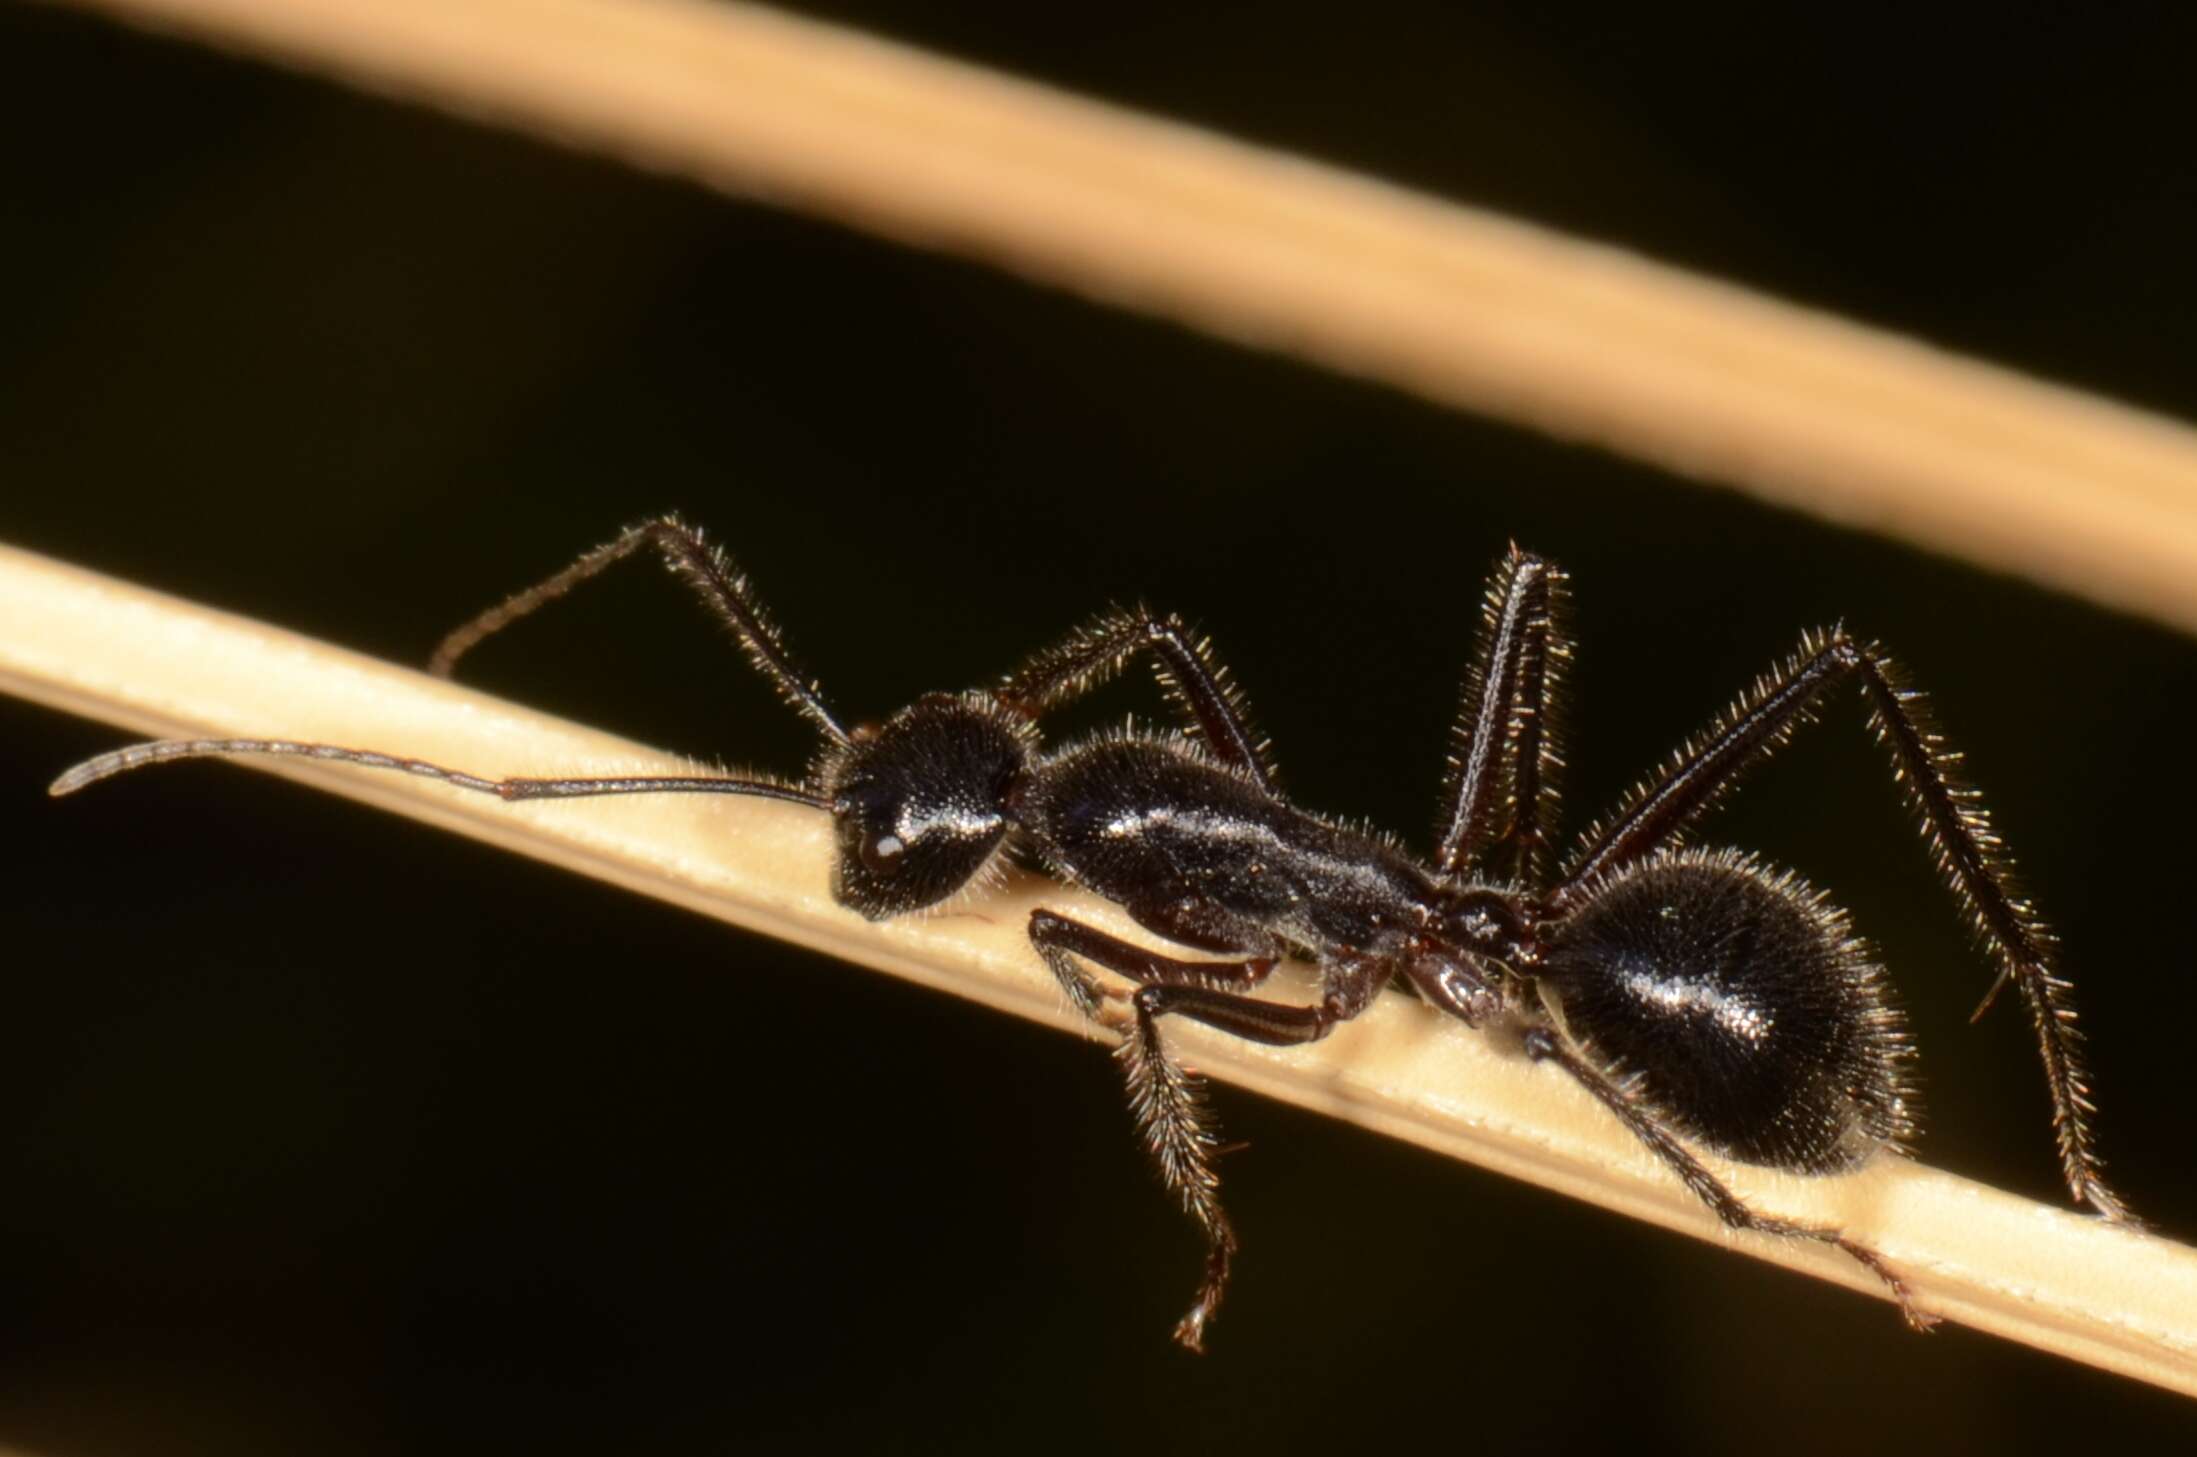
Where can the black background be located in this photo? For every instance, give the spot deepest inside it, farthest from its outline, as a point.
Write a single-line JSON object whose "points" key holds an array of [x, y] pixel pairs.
{"points": [[323, 1132]]}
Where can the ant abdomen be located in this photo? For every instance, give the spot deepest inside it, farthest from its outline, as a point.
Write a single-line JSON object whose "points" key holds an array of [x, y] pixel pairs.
{"points": [[1742, 1006]]}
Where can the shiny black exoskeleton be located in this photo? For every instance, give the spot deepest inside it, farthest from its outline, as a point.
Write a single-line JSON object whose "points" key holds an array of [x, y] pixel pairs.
{"points": [[1751, 1014], [1746, 1017]]}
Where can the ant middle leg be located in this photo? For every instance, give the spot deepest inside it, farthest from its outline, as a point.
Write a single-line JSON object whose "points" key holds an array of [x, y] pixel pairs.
{"points": [[1154, 1077], [1500, 792], [1166, 1099], [1543, 1045], [1061, 942], [1209, 992]]}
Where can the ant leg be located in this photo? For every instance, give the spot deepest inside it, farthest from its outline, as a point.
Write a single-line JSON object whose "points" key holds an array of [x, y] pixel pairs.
{"points": [[1168, 1103], [1211, 992], [1956, 830], [1500, 793], [1197, 685], [1061, 941], [1543, 1045], [137, 756], [1277, 1024], [1710, 764], [704, 567], [1166, 1099], [1153, 1076]]}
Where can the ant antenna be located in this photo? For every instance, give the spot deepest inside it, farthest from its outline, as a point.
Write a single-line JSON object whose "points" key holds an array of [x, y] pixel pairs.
{"points": [[138, 756]]}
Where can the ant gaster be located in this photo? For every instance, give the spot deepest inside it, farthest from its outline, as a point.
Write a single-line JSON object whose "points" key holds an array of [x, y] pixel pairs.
{"points": [[1702, 997]]}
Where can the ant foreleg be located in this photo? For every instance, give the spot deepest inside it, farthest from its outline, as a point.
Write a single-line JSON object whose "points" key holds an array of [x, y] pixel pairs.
{"points": [[1543, 1045], [1197, 684], [704, 567]]}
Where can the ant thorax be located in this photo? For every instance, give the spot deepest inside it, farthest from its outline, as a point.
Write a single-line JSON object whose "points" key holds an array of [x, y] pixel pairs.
{"points": [[1152, 822]]}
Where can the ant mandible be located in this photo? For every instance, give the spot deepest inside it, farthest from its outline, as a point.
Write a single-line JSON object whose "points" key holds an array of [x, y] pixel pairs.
{"points": [[1747, 1017]]}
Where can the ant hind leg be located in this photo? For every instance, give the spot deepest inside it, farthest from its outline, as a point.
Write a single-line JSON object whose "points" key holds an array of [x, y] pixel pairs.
{"points": [[1956, 831], [1543, 1045]]}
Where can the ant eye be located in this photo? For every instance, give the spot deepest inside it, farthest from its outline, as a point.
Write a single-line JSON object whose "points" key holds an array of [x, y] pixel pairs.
{"points": [[881, 853]]}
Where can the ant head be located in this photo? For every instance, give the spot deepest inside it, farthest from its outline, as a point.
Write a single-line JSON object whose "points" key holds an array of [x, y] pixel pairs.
{"points": [[919, 803]]}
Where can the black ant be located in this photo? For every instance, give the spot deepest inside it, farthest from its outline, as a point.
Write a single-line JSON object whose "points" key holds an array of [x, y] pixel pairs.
{"points": [[1703, 998]]}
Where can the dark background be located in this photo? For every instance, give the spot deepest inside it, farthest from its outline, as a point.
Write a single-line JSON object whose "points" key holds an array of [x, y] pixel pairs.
{"points": [[323, 1132]]}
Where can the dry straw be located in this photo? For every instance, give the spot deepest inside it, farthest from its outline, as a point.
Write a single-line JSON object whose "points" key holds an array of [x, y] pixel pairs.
{"points": [[1463, 307], [77, 641]]}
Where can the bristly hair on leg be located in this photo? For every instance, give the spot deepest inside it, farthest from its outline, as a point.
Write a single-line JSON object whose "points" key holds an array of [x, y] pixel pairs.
{"points": [[1957, 833], [1798, 680], [708, 571], [1168, 1104], [1973, 862], [1197, 685], [1501, 788]]}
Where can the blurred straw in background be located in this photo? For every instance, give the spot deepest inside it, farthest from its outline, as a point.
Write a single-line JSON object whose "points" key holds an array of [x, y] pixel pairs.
{"points": [[1465, 307]]}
